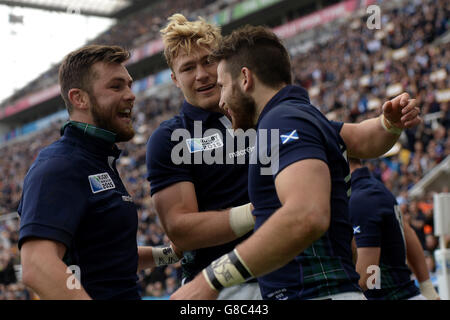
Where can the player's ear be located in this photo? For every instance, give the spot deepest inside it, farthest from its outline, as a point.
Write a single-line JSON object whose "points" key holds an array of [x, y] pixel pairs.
{"points": [[174, 79], [78, 98], [246, 79]]}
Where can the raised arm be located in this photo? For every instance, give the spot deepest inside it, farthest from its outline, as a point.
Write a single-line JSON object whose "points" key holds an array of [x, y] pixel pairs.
{"points": [[374, 137]]}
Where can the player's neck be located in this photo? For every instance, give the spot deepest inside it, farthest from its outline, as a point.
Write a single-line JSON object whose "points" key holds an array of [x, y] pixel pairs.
{"points": [[263, 94]]}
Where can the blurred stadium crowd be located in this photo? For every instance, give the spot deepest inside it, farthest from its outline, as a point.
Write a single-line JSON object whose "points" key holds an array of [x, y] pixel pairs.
{"points": [[348, 78], [133, 31]]}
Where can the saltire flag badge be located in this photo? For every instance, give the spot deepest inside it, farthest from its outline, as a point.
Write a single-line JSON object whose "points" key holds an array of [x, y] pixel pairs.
{"points": [[290, 136], [101, 182]]}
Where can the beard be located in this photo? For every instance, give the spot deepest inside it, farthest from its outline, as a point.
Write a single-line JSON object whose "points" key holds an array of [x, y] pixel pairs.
{"points": [[107, 120], [244, 110]]}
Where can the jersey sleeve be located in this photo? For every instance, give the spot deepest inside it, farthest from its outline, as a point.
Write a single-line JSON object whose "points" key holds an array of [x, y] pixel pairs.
{"points": [[299, 138], [337, 126], [53, 201], [366, 219], [167, 161]]}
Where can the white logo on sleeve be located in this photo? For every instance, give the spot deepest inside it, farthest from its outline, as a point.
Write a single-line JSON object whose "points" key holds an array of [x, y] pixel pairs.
{"points": [[101, 182], [356, 229]]}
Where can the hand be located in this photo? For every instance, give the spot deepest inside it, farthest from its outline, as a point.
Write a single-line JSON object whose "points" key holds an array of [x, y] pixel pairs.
{"points": [[402, 111], [197, 289]]}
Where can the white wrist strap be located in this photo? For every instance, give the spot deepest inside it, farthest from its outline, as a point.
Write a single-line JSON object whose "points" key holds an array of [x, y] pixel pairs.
{"points": [[427, 290], [389, 127], [241, 219], [164, 255], [227, 271]]}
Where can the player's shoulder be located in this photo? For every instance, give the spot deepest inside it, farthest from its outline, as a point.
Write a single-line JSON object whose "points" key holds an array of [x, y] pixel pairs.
{"points": [[165, 130], [370, 193], [287, 112], [56, 160]]}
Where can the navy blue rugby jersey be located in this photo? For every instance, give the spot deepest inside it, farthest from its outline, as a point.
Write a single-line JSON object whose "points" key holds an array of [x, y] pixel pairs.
{"points": [[73, 194], [377, 222], [326, 267], [199, 146]]}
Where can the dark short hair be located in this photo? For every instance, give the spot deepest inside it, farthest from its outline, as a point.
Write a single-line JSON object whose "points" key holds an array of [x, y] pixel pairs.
{"points": [[260, 50], [75, 70]]}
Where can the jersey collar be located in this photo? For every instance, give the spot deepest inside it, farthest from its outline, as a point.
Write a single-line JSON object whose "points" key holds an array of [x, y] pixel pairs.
{"points": [[287, 93], [197, 113], [91, 130], [360, 173], [97, 141]]}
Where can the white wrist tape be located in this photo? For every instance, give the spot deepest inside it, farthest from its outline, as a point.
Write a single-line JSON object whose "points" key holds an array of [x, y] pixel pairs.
{"points": [[389, 127], [227, 271], [428, 291], [164, 256], [241, 219]]}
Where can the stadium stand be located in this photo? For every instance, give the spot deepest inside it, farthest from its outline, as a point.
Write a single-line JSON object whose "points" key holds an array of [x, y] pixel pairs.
{"points": [[348, 70]]}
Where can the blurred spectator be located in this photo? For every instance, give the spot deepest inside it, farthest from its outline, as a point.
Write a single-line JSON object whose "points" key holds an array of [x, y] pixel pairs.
{"points": [[417, 221]]}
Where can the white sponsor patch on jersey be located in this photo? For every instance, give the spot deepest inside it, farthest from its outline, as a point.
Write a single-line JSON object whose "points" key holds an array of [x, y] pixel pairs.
{"points": [[101, 182], [204, 144]]}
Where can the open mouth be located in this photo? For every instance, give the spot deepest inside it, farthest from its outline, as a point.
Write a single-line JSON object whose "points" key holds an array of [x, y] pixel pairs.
{"points": [[125, 113], [206, 88]]}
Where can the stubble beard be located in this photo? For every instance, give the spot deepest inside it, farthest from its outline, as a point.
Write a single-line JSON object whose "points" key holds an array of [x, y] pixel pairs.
{"points": [[106, 121]]}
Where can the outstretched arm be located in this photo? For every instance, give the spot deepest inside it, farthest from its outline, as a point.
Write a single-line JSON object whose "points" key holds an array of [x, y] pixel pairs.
{"points": [[374, 137]]}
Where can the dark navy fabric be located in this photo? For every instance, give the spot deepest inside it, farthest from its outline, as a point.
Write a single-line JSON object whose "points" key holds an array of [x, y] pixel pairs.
{"points": [[98, 229], [377, 222], [304, 133], [218, 184]]}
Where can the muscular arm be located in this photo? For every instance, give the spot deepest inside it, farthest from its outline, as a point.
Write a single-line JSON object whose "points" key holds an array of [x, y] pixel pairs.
{"points": [[367, 256], [369, 139], [187, 228], [301, 220], [44, 271]]}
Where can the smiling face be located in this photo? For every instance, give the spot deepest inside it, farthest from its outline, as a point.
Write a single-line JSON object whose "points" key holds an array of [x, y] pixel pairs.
{"points": [[196, 77], [111, 99], [240, 107]]}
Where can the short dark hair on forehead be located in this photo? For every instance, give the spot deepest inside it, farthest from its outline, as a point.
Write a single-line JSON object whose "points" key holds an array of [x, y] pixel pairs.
{"points": [[76, 69], [260, 50]]}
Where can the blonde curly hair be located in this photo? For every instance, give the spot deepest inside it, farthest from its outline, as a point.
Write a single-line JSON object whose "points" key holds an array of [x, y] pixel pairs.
{"points": [[183, 34]]}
